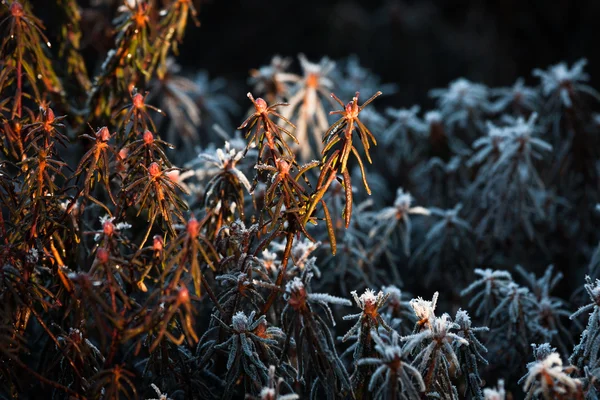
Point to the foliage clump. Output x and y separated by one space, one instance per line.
148 249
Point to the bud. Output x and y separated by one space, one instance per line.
261 105
283 166
158 243
16 9
108 228
183 296
49 115
193 227
148 137
138 100
297 294
261 330
349 108
154 170
103 134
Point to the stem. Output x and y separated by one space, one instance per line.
393 385
211 295
429 377
115 336
284 263
19 73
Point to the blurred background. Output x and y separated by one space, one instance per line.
418 45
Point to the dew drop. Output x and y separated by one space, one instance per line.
39 76
49 44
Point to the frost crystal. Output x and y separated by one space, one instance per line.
548 377
461 101
562 81
425 309
106 222
222 160
161 396
497 393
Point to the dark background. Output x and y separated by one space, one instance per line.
419 45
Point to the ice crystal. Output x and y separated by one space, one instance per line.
563 82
